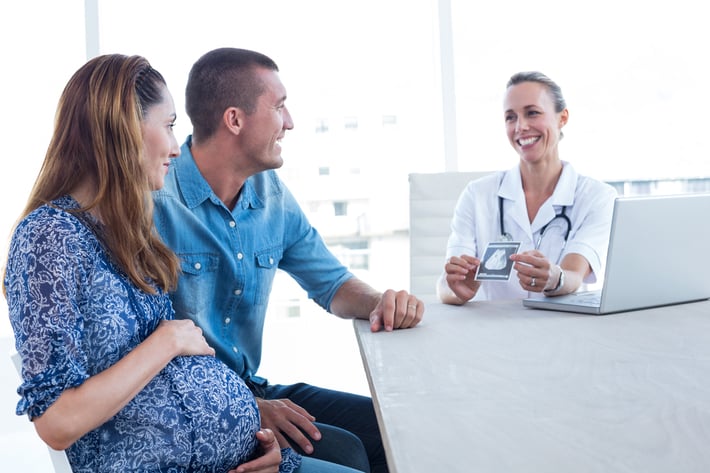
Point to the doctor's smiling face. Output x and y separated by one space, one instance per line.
533 121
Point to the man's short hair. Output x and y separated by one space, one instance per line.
220 79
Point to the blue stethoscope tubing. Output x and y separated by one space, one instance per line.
562 215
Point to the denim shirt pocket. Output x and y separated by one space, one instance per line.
197 284
267 262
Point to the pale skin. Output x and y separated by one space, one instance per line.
533 128
80 410
243 145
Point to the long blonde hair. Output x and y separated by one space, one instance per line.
97 138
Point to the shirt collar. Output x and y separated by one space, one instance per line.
194 187
566 187
511 186
249 197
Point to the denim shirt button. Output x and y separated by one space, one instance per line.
237 292
198 266
232 224
240 256
227 320
235 349
271 260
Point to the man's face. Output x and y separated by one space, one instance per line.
264 129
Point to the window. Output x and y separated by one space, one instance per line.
351 123
353 253
43 47
635 89
389 120
633 74
340 208
634 85
322 126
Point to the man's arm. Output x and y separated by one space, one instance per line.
354 298
390 309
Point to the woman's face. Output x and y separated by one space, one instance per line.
159 143
532 125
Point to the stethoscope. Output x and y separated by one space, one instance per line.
505 236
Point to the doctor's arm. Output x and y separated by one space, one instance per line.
537 274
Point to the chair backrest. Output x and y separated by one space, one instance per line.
432 198
59 458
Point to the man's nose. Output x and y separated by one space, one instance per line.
288 121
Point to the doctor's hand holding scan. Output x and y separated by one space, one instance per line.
560 218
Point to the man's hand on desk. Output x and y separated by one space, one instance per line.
396 310
389 310
285 418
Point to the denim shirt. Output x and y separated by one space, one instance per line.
229 257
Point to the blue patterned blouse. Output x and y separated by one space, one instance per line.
75 314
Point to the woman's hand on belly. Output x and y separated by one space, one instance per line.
270 455
185 337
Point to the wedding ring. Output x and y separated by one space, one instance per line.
532 282
412 306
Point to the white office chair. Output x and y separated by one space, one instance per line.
59 458
432 198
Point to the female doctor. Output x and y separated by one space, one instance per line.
560 218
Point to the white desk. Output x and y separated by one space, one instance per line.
495 387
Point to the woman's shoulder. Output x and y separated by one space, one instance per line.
486 184
46 216
587 185
487 179
51 225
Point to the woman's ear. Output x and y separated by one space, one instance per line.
564 116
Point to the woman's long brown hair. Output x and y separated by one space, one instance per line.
97 138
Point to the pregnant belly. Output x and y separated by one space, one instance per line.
196 415
221 410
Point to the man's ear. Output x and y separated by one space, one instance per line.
233 119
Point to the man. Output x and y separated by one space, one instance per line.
232 222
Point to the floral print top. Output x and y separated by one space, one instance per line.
74 314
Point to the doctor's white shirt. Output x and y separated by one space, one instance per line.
588 203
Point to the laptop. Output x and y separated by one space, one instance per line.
658 255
